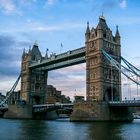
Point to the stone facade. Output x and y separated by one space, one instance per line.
53 96
33 82
103 82
100 111
18 112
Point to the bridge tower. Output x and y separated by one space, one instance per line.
33 82
102 80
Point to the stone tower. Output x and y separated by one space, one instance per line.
33 82
102 80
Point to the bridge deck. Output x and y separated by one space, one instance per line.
50 107
133 103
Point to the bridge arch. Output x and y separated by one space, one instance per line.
111 94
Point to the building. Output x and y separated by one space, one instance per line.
2 97
103 82
54 96
14 98
78 99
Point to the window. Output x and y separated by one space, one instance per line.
104 35
92 45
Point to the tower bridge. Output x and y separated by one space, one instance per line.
102 54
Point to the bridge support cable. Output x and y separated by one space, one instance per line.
132 67
111 84
10 93
121 68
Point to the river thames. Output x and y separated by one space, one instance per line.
62 129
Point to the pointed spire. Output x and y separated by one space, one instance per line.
46 55
99 26
117 32
36 44
87 30
29 49
102 17
23 52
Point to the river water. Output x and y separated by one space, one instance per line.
62 129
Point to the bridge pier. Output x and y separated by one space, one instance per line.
25 112
99 111
121 114
18 112
51 115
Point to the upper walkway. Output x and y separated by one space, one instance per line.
66 59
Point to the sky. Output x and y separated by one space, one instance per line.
51 23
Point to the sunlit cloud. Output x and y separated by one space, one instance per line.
9 7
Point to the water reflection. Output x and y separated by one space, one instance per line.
65 130
32 130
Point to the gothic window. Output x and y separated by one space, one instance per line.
32 87
104 35
92 35
41 88
92 45
94 61
37 77
37 86
94 75
34 58
96 88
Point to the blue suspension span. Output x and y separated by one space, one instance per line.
11 91
131 69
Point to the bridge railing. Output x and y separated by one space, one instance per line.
126 101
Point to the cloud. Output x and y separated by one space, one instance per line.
10 55
109 4
11 50
41 27
51 2
8 7
126 20
122 3
69 79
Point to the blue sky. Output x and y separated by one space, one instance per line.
52 22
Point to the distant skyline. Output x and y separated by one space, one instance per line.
60 25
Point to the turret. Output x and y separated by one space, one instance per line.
35 53
117 35
87 34
99 27
46 55
23 54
